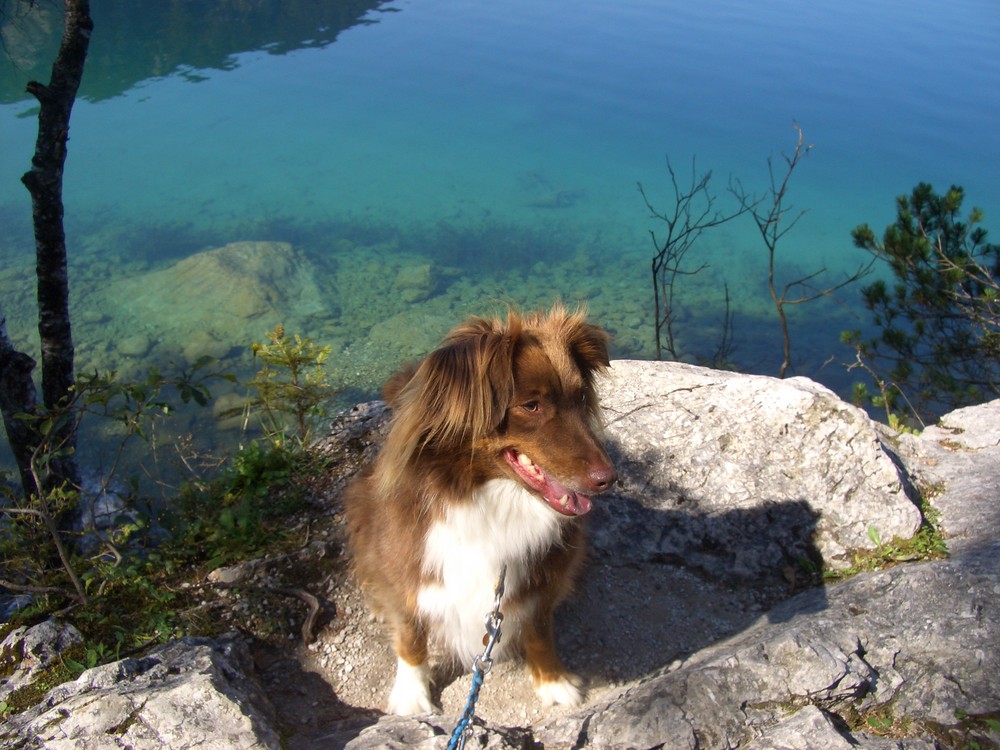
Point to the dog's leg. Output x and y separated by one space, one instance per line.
411 692
553 684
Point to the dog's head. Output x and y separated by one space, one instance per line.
511 398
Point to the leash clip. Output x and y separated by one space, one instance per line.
481 665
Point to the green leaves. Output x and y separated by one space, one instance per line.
245 509
94 655
938 317
128 596
292 387
875 537
135 404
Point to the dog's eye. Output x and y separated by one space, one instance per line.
531 406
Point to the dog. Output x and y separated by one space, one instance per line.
491 459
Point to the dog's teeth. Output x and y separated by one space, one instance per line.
529 466
564 501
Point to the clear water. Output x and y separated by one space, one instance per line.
491 149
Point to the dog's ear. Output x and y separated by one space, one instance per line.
587 343
462 390
395 384
590 347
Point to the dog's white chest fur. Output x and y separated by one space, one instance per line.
465 551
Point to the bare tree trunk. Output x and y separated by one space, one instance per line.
17 396
44 181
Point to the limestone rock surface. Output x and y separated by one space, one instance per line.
190 693
687 626
742 474
26 652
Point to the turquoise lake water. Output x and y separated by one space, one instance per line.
428 159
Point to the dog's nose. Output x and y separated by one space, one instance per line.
602 477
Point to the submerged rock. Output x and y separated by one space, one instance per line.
204 344
220 298
135 345
411 333
415 282
102 512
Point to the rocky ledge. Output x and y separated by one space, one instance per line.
703 622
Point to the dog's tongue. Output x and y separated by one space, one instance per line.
561 499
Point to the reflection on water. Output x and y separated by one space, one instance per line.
368 173
135 42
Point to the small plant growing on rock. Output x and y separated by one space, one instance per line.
243 510
291 386
927 544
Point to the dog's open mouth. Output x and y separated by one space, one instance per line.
562 499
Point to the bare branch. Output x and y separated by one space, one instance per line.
693 212
775 219
24 589
862 271
723 352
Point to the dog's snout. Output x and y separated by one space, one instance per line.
602 477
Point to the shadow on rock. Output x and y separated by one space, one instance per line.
663 584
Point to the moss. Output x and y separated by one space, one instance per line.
6 628
10 660
929 491
880 720
52 676
970 732
123 726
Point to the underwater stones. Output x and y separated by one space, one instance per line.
204 344
411 333
92 317
103 510
415 283
242 279
228 294
134 346
212 304
228 410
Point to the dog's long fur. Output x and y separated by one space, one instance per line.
491 459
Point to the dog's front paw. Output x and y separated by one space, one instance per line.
411 692
566 690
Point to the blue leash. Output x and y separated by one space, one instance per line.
464 727
481 667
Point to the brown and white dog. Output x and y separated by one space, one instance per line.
491 459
